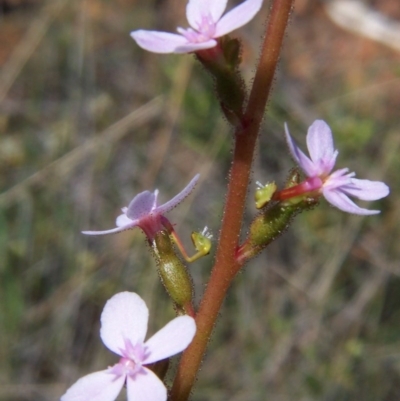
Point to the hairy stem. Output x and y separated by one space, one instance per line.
226 266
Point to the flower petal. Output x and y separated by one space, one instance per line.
141 205
112 231
320 146
124 317
193 47
343 202
98 386
366 189
122 220
178 198
302 160
196 10
237 17
158 42
171 339
145 386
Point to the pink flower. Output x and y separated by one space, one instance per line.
123 329
336 187
143 212
207 24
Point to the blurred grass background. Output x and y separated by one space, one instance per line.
87 120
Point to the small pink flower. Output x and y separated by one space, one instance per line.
123 330
336 187
207 24
143 212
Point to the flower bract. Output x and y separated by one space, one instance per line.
144 212
206 25
123 330
335 186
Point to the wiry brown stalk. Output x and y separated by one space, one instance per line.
226 266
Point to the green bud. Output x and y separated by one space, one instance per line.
172 271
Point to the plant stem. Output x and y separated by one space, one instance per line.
226 266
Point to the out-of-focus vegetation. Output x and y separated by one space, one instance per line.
87 120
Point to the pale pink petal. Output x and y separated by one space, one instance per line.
155 193
124 317
237 17
196 10
141 205
145 386
302 160
343 202
194 47
112 231
339 178
158 42
98 386
123 220
320 146
171 339
366 189
178 198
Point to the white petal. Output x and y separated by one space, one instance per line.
197 9
178 198
320 145
123 220
343 202
141 205
366 189
124 317
194 47
158 42
98 386
171 339
237 17
146 386
112 231
302 160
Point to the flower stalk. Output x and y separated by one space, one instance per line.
226 266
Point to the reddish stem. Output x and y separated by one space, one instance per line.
310 186
226 266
